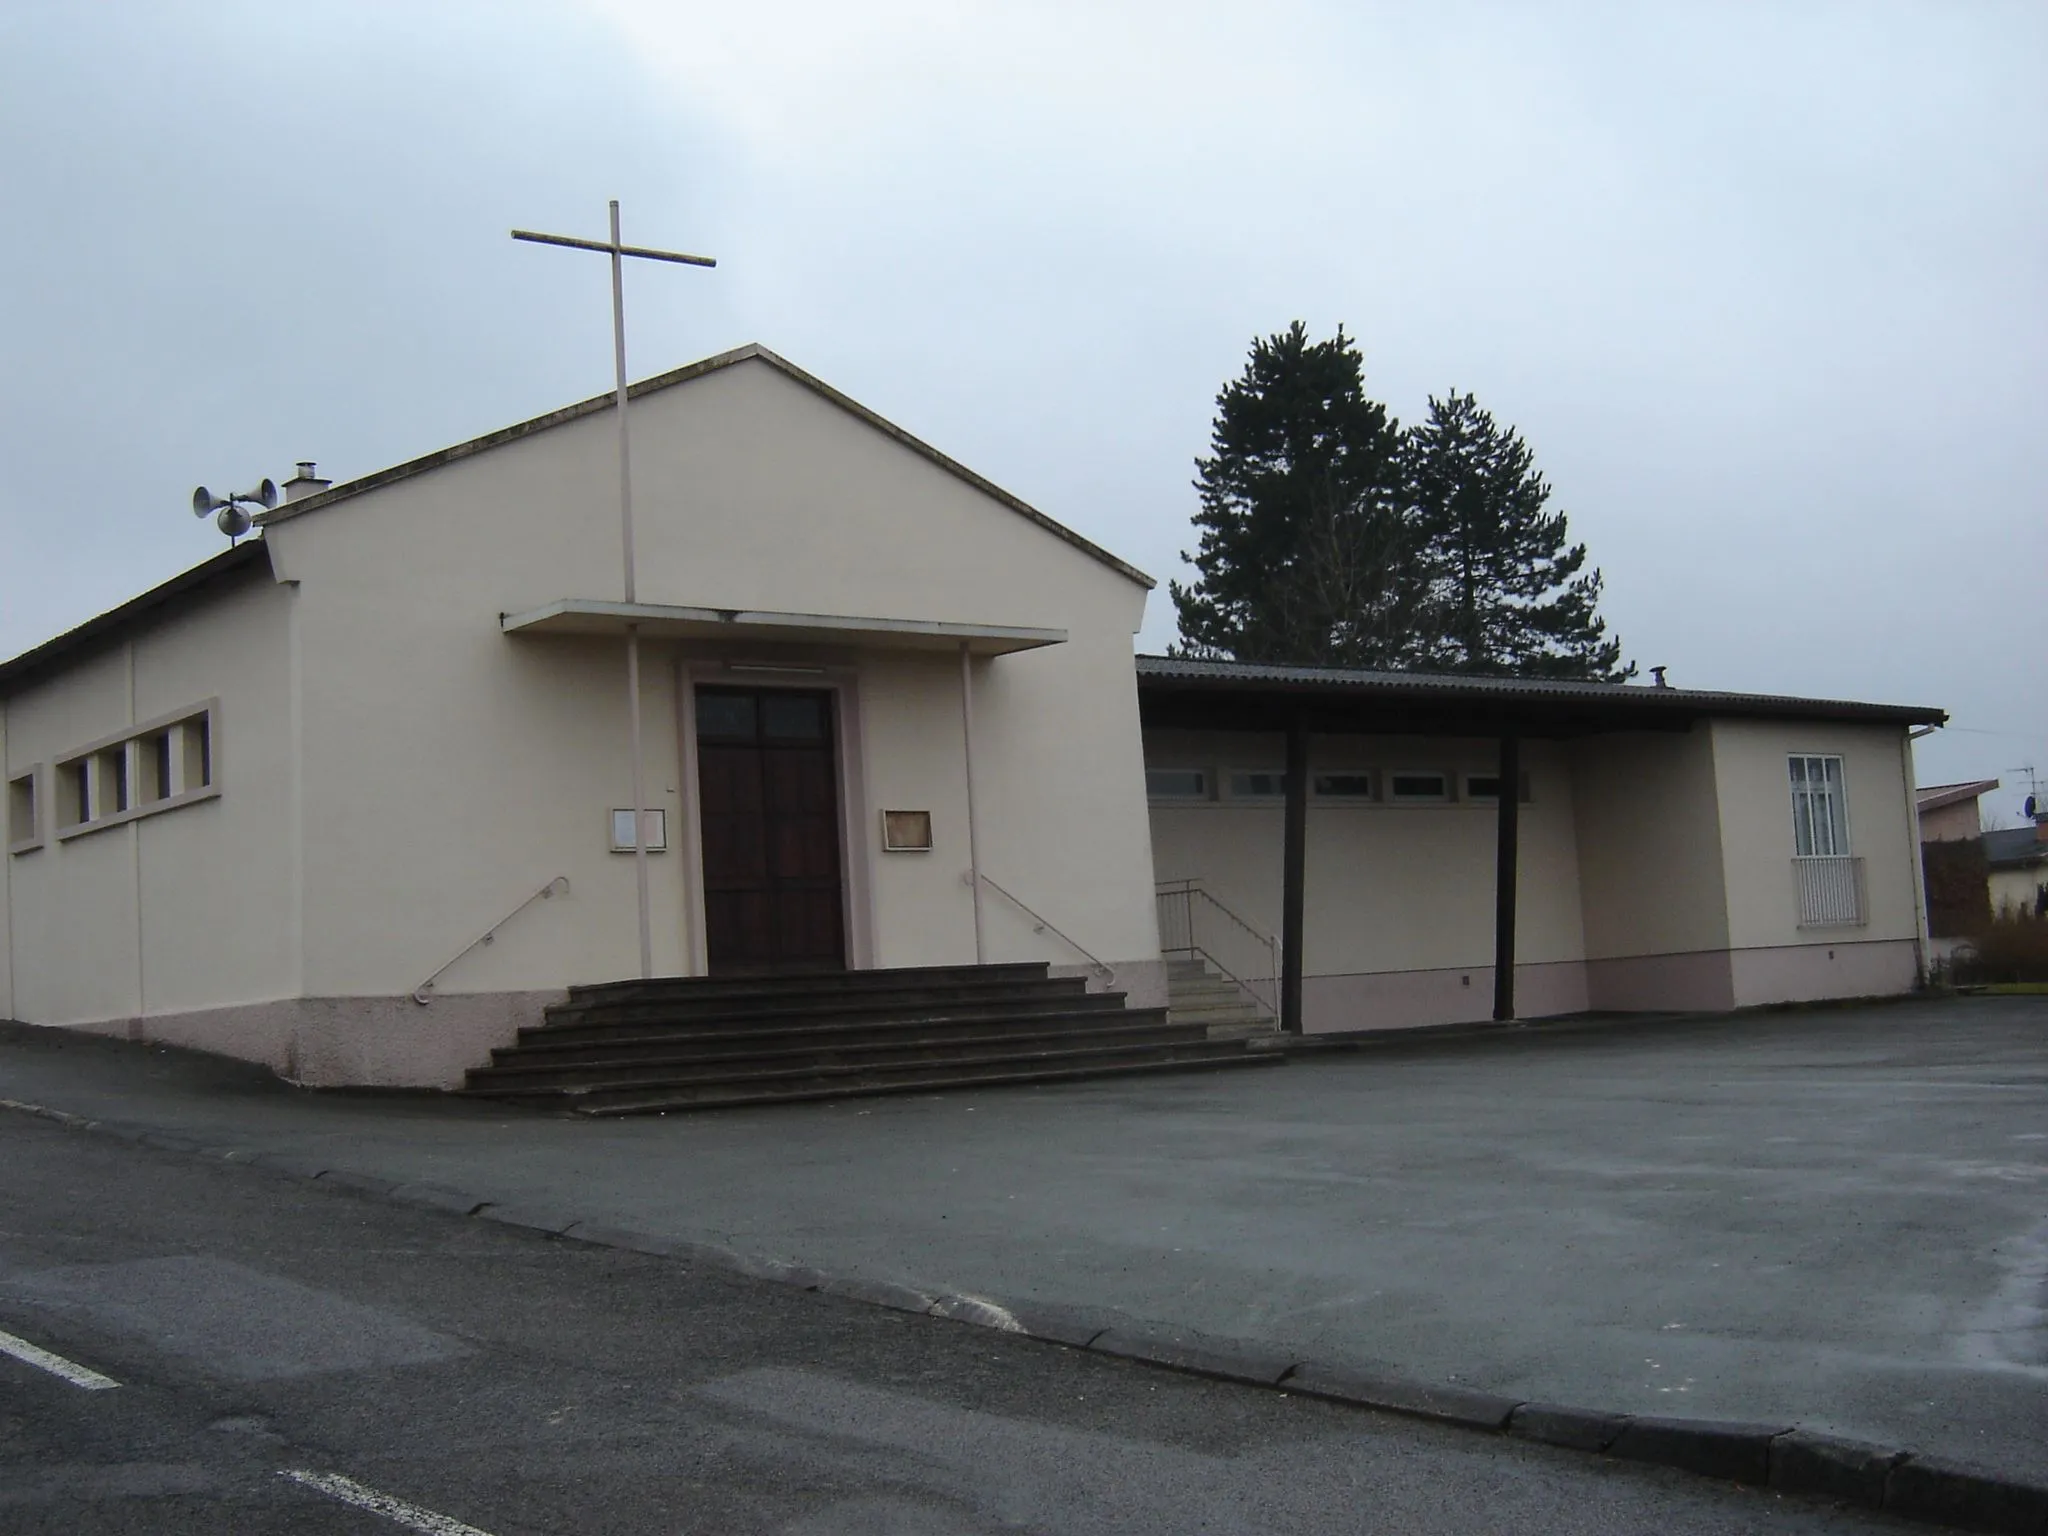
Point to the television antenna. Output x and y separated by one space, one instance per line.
233 517
2034 807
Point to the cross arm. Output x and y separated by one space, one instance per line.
608 248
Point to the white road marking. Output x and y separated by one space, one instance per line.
411 1516
56 1365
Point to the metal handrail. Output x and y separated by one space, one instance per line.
1249 988
489 935
1186 891
1196 888
1046 924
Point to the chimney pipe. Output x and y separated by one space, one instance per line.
305 483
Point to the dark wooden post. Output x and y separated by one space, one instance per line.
1507 841
1294 876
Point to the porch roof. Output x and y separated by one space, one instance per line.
1176 692
663 621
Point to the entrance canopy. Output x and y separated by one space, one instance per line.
662 621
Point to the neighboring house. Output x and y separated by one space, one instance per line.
2017 859
1952 856
1949 812
893 720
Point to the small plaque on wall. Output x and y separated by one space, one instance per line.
653 828
907 831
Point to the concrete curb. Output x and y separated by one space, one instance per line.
1791 1460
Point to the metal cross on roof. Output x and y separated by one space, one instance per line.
618 252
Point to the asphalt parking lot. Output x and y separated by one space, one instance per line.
1836 1217
272 1356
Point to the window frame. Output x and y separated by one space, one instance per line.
1835 794
36 782
1374 795
653 829
1228 793
1207 795
1444 776
193 753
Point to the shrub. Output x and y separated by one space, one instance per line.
2012 947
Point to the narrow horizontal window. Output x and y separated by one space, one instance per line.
159 765
1177 783
1257 784
1347 784
1412 788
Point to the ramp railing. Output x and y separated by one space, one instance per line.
1194 925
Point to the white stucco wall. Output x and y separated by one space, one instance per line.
1776 960
1392 890
457 768
185 908
2016 889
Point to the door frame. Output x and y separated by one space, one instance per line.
840 679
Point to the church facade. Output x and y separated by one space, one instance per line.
354 797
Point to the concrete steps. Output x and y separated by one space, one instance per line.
1197 995
683 1043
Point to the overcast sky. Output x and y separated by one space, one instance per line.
1764 286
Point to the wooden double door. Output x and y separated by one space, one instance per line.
768 790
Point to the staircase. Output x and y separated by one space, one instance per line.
1197 995
683 1043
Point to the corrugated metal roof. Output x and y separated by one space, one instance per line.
1460 687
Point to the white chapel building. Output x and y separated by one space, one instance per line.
353 797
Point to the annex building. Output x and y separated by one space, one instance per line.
354 798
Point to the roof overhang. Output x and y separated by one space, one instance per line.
1179 693
1936 797
199 584
662 621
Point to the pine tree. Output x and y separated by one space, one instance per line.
1505 593
1305 553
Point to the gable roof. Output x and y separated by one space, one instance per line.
180 591
752 352
1935 797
